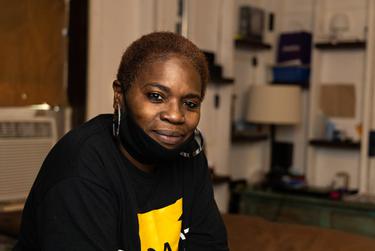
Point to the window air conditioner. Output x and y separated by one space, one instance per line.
24 143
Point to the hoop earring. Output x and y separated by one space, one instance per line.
199 140
116 121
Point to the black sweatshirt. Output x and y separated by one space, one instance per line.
88 196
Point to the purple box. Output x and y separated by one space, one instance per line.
294 46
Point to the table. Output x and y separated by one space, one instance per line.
10 217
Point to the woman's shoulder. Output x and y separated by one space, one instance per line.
98 127
85 144
93 132
80 153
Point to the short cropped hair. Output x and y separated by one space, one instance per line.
156 46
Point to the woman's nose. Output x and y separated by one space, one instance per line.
173 113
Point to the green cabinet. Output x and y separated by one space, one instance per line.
285 208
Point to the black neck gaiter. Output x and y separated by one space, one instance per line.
143 148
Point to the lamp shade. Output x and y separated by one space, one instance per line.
274 104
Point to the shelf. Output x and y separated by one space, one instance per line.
218 179
221 81
245 44
348 145
344 45
243 137
216 71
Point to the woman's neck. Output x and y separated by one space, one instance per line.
143 167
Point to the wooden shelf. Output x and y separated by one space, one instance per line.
218 179
221 81
216 71
243 137
344 45
245 44
348 145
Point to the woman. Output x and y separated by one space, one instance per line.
138 179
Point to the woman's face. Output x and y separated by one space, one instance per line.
165 100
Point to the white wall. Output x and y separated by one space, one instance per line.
211 29
296 15
250 160
113 25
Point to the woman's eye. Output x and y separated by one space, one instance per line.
192 105
155 97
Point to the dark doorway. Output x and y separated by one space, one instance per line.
77 59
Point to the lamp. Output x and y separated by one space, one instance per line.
274 105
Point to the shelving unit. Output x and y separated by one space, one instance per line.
346 61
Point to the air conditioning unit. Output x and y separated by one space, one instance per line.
24 143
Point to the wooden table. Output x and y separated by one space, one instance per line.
10 217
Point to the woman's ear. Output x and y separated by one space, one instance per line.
118 98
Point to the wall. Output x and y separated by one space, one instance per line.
251 160
296 15
113 25
211 26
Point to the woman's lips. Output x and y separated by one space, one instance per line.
169 137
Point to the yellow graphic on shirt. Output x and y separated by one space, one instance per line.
159 230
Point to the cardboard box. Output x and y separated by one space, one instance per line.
338 100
